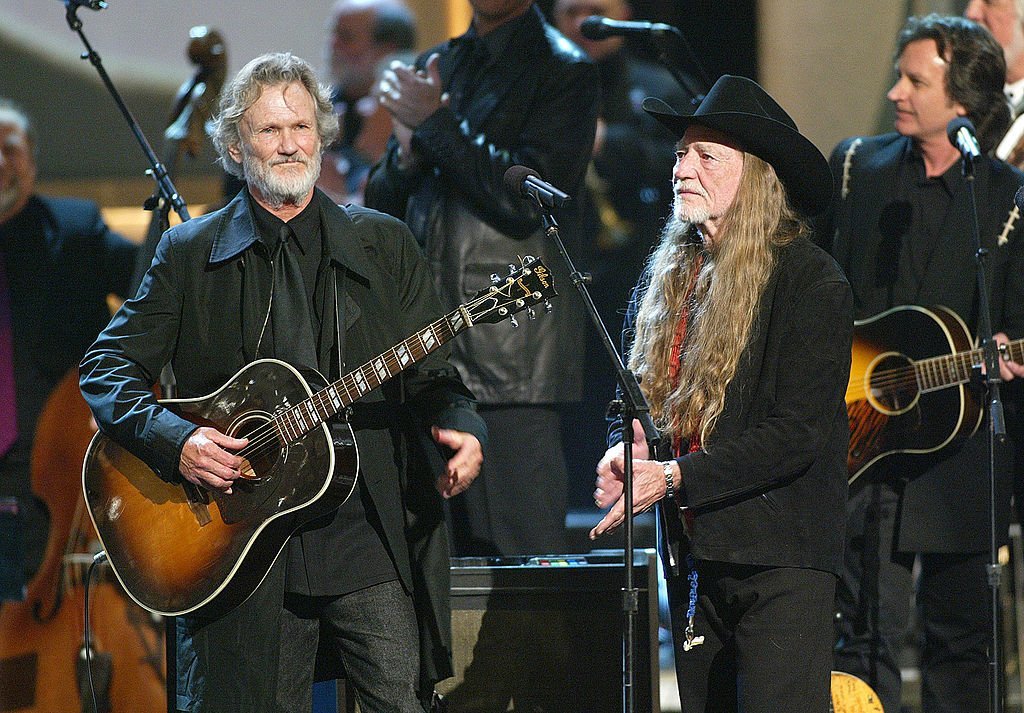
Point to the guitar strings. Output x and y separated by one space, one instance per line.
887 379
272 436
265 440
906 376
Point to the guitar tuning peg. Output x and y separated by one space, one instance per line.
529 260
495 280
547 307
531 313
514 322
511 268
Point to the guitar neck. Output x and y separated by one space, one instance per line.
942 371
318 408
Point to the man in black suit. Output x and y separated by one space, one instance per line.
902 231
511 90
739 332
59 262
283 272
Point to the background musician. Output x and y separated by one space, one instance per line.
363 36
510 90
1005 20
58 263
902 232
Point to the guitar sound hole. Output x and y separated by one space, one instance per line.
893 384
263 450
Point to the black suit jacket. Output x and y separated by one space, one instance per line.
201 307
945 497
62 261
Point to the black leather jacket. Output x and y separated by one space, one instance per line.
534 105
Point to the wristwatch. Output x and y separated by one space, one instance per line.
670 485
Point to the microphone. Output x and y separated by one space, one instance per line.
597 27
961 134
526 182
91 4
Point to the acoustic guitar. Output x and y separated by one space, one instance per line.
909 389
176 548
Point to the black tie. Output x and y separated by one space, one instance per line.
290 313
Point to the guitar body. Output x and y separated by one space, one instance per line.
888 411
852 695
175 554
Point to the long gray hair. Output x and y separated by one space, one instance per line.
268 70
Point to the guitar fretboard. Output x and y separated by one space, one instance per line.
300 419
942 371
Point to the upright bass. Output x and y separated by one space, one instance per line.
42 665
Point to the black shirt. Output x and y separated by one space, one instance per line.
927 201
363 540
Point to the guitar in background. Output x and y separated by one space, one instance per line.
910 387
852 695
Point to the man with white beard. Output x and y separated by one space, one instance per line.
739 332
275 274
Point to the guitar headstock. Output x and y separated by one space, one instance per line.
529 284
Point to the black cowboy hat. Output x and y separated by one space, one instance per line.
741 109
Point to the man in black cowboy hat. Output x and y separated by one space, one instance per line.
902 230
740 330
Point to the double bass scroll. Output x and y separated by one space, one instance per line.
193 105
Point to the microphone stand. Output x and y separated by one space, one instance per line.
166 195
695 89
165 188
996 433
633 406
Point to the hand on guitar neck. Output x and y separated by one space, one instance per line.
1008 369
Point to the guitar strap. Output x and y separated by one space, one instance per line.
341 435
